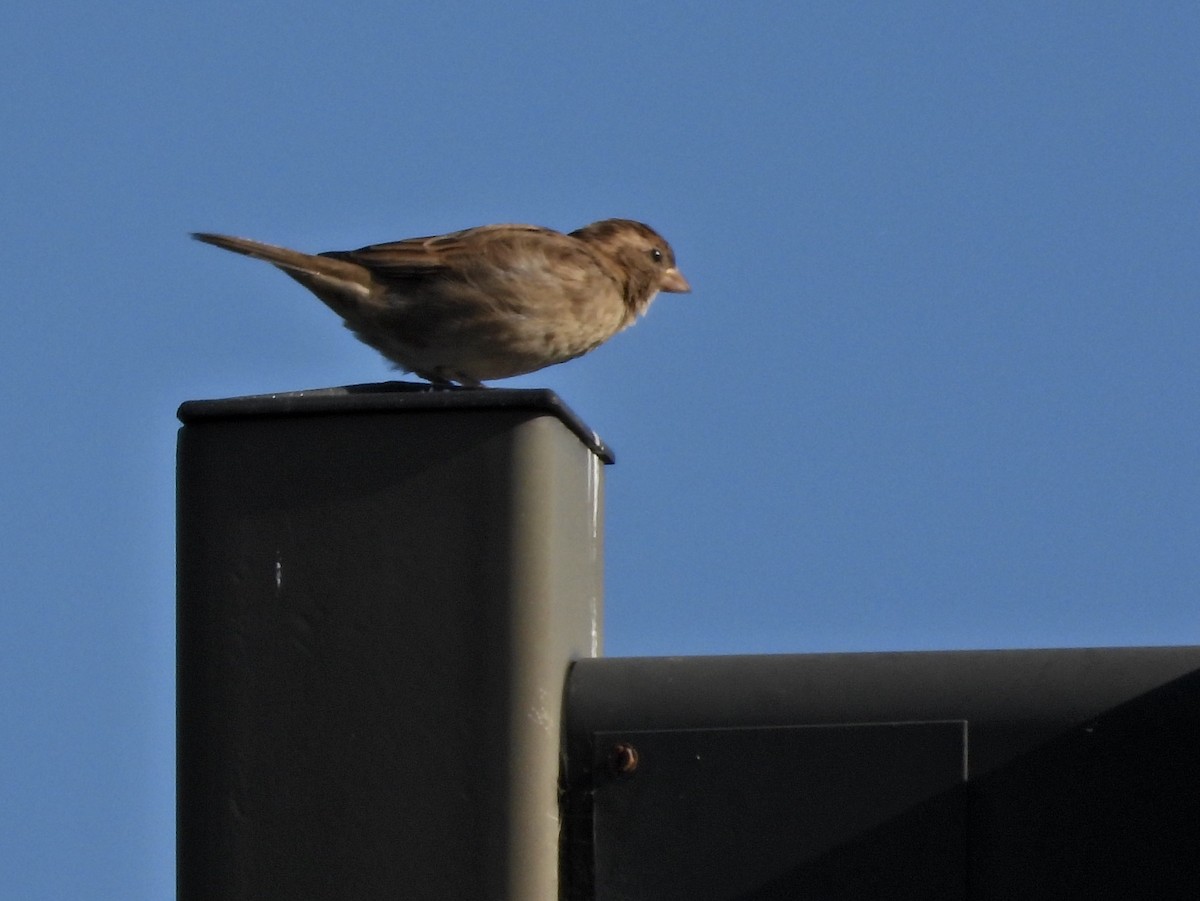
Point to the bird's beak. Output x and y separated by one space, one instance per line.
672 280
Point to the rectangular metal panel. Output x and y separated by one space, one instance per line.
1081 767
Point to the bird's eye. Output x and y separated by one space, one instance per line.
656 255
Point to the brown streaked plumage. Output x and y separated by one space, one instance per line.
488 302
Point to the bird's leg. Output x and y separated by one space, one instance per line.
442 383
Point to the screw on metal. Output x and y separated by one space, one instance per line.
623 758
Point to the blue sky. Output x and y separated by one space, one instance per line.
936 386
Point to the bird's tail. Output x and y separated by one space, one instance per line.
334 281
283 257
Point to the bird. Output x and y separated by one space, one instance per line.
489 302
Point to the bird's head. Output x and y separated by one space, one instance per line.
644 255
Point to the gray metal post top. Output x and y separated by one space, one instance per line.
395 397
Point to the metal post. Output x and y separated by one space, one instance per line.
379 594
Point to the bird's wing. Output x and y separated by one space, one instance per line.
445 256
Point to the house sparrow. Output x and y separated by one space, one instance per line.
487 302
